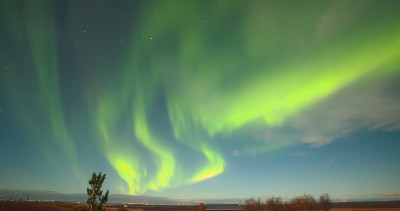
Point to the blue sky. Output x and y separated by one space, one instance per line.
196 100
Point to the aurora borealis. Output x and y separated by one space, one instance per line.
191 99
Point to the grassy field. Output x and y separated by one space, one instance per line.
18 205
365 209
65 206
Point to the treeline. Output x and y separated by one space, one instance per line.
300 203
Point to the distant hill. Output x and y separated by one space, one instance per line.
41 195
367 204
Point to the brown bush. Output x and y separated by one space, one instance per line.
325 202
201 207
301 203
304 203
253 205
274 204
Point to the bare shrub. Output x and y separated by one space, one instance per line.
274 204
201 207
303 203
253 205
325 202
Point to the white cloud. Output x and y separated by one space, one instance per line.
389 194
370 104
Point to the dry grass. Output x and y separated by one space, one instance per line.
119 207
30 205
365 209
26 205
302 203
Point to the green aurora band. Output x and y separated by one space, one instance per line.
45 106
215 67
193 74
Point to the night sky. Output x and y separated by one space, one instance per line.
194 98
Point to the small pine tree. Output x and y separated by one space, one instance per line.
95 193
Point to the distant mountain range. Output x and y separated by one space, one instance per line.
41 195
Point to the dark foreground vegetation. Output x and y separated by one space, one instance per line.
301 203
